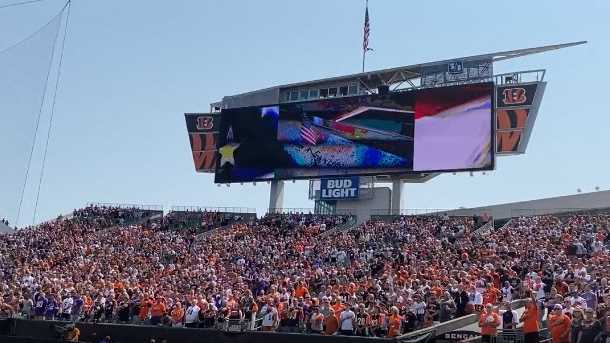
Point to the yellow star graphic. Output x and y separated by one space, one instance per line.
226 153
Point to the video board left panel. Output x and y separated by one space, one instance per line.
203 129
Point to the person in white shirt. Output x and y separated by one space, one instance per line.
270 317
66 307
507 292
347 322
191 316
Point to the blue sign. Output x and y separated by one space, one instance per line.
340 188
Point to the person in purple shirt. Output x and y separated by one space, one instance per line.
77 307
589 297
52 308
40 306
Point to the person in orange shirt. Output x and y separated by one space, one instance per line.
331 323
489 322
177 315
559 325
145 306
337 306
157 311
491 294
394 323
531 321
300 291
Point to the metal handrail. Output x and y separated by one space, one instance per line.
311 211
518 76
213 209
128 206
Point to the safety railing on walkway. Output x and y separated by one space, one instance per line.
213 209
128 206
311 211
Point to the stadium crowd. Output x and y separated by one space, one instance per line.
299 273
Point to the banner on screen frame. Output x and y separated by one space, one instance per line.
340 188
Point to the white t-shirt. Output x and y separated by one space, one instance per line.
66 306
269 317
346 320
192 314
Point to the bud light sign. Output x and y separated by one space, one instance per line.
339 188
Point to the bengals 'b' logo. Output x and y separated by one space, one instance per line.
205 123
514 96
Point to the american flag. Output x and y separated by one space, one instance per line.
367 30
309 134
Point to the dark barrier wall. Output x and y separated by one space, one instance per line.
142 334
5 325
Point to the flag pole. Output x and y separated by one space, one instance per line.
364 48
363 59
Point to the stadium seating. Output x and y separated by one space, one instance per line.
296 272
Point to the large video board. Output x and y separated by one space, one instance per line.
428 130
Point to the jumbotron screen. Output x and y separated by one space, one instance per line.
430 130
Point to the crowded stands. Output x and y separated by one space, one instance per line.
296 273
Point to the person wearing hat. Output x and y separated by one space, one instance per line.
559 325
489 322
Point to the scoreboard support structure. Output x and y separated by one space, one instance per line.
276 195
397 188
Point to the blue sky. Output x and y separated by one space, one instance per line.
132 68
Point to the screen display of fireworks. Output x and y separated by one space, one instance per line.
430 130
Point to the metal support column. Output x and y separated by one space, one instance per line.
397 186
276 195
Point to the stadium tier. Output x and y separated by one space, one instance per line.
306 273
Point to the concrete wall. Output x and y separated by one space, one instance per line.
370 199
562 204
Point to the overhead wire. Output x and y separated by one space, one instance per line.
20 3
42 102
58 77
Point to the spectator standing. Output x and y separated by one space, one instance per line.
559 325
331 324
489 322
590 329
177 315
347 322
531 321
317 321
157 311
509 317
191 316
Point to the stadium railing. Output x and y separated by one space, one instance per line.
559 212
409 212
213 209
334 212
128 206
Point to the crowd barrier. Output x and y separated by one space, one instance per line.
34 331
